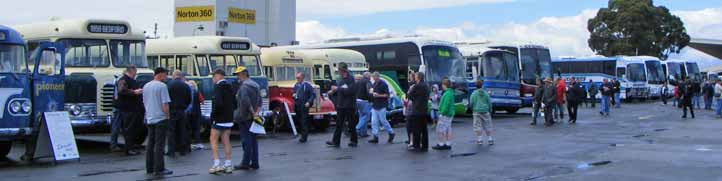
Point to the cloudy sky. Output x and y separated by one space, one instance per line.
560 24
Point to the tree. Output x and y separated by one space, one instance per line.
636 27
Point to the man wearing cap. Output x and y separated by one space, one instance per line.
157 112
180 93
248 107
303 97
549 100
345 93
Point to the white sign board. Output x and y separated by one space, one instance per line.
62 138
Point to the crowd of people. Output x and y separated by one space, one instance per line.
168 111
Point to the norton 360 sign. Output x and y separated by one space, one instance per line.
194 13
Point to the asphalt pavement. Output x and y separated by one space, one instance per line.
640 141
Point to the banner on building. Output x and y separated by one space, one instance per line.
194 13
242 16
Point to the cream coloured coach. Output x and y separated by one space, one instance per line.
97 52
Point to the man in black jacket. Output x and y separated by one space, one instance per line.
130 105
592 93
303 97
345 93
687 91
180 95
222 121
418 95
575 96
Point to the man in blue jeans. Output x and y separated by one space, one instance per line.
249 104
362 102
380 100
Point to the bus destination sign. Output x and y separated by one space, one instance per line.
107 28
235 45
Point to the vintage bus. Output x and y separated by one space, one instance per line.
534 62
396 57
499 70
96 53
677 70
28 88
630 73
281 65
198 56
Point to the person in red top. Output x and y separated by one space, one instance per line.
561 94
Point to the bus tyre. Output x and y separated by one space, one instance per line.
512 110
5 147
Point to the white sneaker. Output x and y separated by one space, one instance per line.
215 169
228 169
197 146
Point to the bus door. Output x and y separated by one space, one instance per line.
48 78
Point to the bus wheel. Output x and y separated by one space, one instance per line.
512 110
5 147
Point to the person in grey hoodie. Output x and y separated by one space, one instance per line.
249 105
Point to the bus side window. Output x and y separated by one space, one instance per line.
153 62
621 72
269 72
327 72
281 73
167 62
184 63
231 63
202 63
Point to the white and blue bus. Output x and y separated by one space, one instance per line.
630 73
678 70
500 72
655 75
535 62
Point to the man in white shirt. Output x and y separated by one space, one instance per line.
156 100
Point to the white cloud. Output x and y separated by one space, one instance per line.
566 36
320 8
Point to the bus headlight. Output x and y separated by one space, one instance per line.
74 110
15 107
27 106
264 93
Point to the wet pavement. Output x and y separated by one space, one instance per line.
640 141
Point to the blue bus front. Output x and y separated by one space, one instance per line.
15 103
500 73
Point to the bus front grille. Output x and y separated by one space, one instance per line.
106 98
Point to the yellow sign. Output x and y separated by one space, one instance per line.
243 16
194 13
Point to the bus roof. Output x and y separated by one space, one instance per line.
348 42
516 45
202 45
276 55
472 50
60 29
638 58
584 59
10 36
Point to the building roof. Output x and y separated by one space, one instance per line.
709 46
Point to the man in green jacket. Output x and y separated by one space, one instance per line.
447 111
481 105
